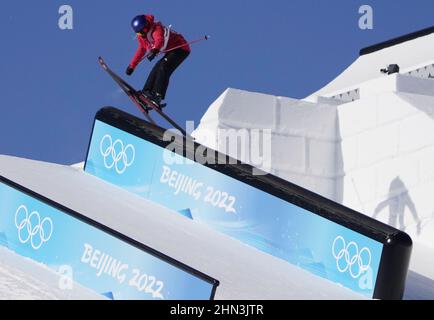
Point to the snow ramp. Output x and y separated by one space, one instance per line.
40 207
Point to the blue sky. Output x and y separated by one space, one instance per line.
51 85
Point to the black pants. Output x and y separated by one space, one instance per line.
158 79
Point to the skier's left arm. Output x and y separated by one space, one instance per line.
140 53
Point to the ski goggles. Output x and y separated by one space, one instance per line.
142 33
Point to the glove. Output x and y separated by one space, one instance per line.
129 71
153 54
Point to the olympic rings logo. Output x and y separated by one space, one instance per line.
349 258
31 228
116 154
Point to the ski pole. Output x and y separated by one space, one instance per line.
186 44
182 45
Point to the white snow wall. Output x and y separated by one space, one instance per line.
387 150
304 136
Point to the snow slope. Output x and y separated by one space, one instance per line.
243 271
410 56
24 279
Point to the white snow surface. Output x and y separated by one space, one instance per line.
243 271
24 279
409 55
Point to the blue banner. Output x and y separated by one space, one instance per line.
96 259
235 208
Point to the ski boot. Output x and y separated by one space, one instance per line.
142 103
156 98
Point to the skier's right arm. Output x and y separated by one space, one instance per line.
140 53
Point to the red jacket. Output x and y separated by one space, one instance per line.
158 37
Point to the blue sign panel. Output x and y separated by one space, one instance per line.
96 259
235 208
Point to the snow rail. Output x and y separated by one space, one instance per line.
263 211
91 254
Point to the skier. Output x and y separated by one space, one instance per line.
155 38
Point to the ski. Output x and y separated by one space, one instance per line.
155 106
129 90
140 100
